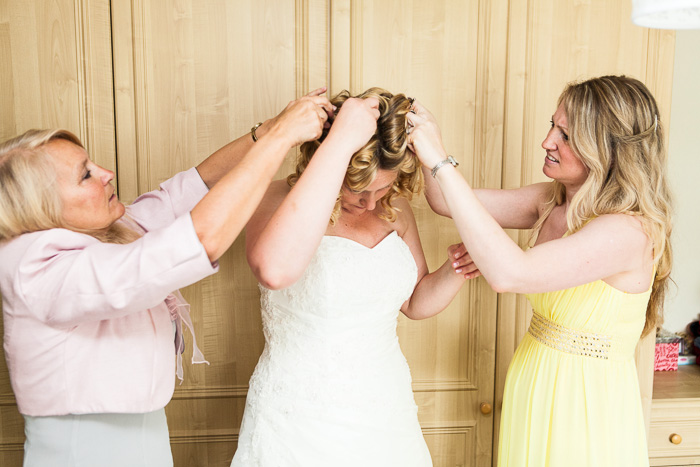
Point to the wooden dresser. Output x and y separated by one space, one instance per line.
674 434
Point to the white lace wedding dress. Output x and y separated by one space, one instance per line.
332 387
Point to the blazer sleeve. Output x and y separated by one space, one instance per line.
67 278
175 197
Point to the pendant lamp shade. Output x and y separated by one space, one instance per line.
666 14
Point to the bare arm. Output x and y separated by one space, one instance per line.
433 291
214 167
284 234
221 215
606 247
513 209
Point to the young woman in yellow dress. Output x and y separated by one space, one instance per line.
595 277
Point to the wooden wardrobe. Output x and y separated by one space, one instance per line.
153 87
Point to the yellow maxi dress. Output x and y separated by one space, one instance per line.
572 394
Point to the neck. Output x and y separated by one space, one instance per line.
570 191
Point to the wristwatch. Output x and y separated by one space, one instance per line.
449 160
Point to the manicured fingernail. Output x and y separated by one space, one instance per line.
458 271
454 265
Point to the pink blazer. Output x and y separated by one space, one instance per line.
87 329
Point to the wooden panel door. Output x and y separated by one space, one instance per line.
55 72
551 43
450 55
191 76
194 75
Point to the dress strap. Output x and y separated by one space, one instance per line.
180 313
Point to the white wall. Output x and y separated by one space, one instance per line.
683 301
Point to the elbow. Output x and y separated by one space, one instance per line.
273 281
412 316
501 283
499 287
211 246
419 316
271 276
438 207
512 274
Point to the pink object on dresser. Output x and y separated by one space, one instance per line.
666 356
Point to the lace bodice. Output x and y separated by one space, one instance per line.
332 386
337 324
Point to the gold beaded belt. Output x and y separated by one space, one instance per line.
572 341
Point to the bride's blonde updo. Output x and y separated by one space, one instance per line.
386 150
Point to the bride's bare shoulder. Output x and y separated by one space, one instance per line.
404 215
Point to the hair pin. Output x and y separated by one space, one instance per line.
411 100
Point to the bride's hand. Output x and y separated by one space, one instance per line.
424 137
355 123
461 262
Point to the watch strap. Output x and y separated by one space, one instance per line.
449 160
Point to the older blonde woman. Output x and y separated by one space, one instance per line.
595 276
91 321
332 386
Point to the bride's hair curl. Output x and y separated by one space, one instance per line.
387 149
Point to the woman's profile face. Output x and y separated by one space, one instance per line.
358 203
88 199
560 162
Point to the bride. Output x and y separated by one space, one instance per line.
332 386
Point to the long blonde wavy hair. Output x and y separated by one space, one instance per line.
29 195
386 150
614 129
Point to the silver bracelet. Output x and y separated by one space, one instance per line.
449 160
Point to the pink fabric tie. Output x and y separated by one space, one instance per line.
180 312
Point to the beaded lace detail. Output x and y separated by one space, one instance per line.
573 341
331 350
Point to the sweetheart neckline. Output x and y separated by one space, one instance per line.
362 245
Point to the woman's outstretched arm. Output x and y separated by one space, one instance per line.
221 215
516 208
607 246
214 167
283 235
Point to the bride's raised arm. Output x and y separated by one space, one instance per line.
287 228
